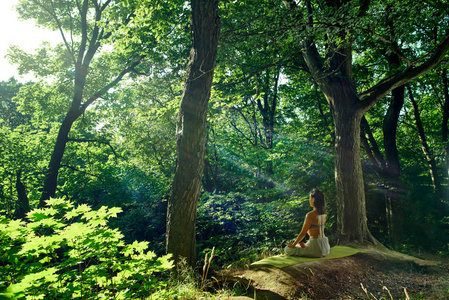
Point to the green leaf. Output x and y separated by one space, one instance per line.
81 209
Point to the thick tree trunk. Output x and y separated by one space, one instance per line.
191 132
347 110
351 207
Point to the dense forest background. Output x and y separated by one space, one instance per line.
269 134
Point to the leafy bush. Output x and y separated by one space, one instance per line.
68 252
243 229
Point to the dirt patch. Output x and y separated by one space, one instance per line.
375 273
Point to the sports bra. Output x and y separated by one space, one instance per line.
319 219
316 225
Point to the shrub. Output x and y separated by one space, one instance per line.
68 252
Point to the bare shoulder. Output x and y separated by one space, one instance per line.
310 214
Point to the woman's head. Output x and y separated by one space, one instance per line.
319 203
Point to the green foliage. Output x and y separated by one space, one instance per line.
158 30
22 149
8 108
45 103
65 251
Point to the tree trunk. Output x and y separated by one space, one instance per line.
268 111
425 147
372 149
390 125
347 109
444 123
392 170
191 132
351 210
351 207
51 178
23 205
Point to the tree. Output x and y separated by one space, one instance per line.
389 167
191 131
79 23
250 108
445 119
330 64
425 146
23 156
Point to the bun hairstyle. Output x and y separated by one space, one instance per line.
319 203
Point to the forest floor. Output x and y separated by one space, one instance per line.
374 274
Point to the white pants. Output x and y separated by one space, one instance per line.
315 248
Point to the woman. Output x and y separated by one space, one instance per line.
318 244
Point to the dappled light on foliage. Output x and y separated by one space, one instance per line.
65 251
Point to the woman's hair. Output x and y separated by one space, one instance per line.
319 203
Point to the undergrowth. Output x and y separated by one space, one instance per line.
65 251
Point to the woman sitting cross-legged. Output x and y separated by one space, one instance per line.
318 244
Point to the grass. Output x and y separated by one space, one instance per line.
188 284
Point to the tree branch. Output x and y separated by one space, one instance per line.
106 88
254 73
372 95
82 49
94 141
55 17
241 132
309 51
78 170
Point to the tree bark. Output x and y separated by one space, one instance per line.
392 170
191 132
351 207
51 177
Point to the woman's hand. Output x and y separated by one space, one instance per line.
290 245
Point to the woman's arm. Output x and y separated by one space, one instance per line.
302 234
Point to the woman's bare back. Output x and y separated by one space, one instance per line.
316 230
